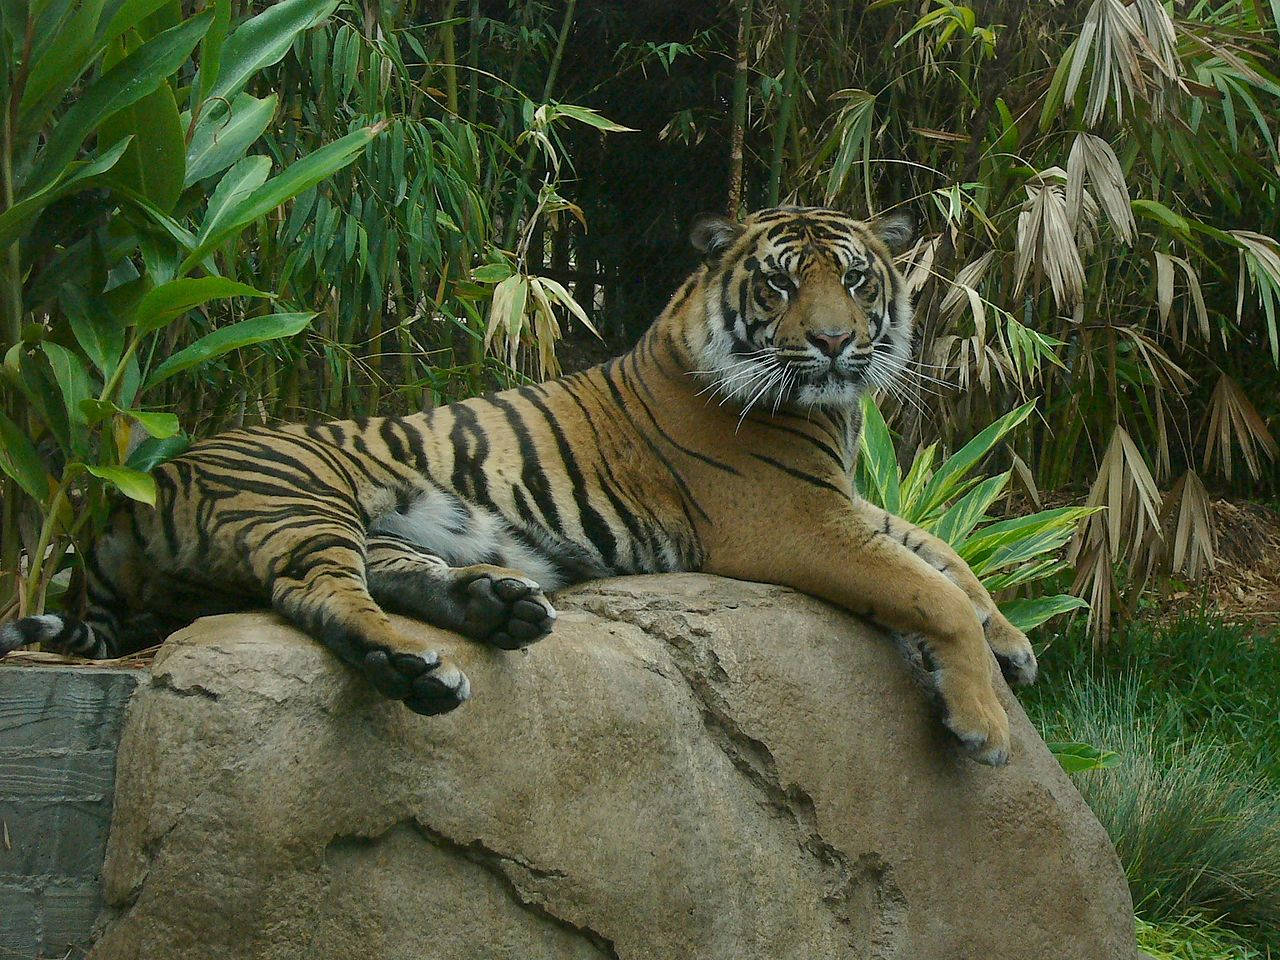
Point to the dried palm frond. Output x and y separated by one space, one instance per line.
1260 262
1161 50
1122 41
1164 297
1047 238
1093 156
1131 518
1111 37
963 289
1194 538
1232 421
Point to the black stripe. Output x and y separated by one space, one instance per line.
468 468
532 474
594 525
687 497
800 474
665 436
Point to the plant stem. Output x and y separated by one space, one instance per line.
473 62
738 119
12 281
33 592
790 36
522 187
450 67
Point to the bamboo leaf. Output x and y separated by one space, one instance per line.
264 40
242 334
171 300
223 134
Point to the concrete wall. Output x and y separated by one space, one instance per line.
59 727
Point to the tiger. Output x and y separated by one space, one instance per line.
723 442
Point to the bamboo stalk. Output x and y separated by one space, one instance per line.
790 37
473 62
522 186
738 119
450 66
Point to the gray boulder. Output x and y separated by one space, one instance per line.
687 767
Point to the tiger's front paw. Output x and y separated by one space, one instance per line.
426 683
1012 649
976 717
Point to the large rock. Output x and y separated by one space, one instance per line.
687 768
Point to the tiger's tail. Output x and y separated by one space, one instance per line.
97 635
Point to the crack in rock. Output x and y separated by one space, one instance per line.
512 872
867 882
165 682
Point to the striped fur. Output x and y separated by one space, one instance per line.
724 441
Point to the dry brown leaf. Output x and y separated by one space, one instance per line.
1233 421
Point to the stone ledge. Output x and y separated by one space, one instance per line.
59 731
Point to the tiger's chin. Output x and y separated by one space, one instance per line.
831 392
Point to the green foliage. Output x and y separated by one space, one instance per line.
1100 235
952 502
93 312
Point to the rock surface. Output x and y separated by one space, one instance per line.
686 768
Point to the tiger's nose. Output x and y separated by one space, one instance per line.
830 343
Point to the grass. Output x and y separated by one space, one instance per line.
1194 939
1193 806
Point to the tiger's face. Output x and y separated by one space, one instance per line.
804 307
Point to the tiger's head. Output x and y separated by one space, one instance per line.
803 307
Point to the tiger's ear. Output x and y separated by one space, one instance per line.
713 235
896 230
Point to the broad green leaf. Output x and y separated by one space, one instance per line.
302 174
1027 614
60 56
32 375
17 219
211 49
1078 757
263 41
220 139
878 460
234 187
73 379
155 164
162 426
242 334
100 335
963 515
956 467
126 83
171 300
491 273
18 458
134 484
152 452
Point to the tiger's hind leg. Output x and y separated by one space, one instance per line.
317 578
491 604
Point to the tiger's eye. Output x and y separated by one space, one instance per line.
854 278
781 282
